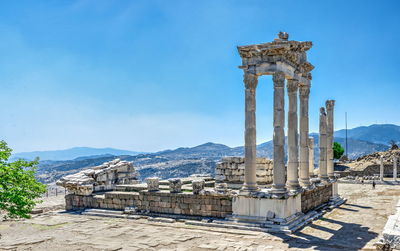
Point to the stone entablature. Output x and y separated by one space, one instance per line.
231 171
279 55
100 178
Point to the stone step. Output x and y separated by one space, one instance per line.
103 211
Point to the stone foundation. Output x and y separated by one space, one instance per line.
311 199
206 205
231 171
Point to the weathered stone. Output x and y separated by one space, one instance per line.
152 184
98 178
175 185
198 186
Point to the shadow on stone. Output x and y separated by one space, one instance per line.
349 236
354 205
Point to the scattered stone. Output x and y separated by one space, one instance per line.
100 178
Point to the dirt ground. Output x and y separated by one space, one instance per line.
354 226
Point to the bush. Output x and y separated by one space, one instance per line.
19 189
337 150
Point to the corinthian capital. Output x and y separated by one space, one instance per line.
250 80
330 104
304 90
279 79
292 85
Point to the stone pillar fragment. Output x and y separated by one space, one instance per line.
330 129
323 175
293 143
197 186
304 150
250 180
381 170
175 185
311 156
152 184
278 186
395 168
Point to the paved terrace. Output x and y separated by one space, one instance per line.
355 225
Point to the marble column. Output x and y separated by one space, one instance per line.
311 156
381 169
323 175
250 181
293 142
278 186
330 128
304 152
395 168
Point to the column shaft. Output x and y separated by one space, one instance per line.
293 142
323 175
311 156
395 168
330 128
250 181
381 170
278 186
304 152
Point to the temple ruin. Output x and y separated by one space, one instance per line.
256 193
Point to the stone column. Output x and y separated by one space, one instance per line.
293 142
304 153
381 169
311 156
278 186
250 181
395 168
323 175
330 128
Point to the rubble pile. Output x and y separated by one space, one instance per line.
100 178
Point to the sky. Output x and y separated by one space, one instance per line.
153 75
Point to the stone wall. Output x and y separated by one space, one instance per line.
209 205
231 171
371 170
311 199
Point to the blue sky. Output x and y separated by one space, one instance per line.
150 75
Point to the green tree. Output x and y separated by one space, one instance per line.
338 150
19 189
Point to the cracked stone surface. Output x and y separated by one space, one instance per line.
354 226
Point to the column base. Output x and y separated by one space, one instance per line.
249 188
278 190
293 186
305 183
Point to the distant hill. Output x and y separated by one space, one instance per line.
379 134
72 153
183 161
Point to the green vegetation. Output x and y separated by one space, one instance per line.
338 150
19 189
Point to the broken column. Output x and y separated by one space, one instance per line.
175 185
381 169
278 187
293 144
322 145
152 184
250 179
395 168
330 129
197 186
311 156
304 151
